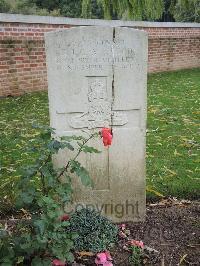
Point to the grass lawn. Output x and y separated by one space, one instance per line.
173 139
173 146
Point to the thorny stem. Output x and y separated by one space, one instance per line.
75 157
43 184
78 153
42 176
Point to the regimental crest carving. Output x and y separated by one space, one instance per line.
99 104
100 113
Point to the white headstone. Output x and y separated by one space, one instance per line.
97 78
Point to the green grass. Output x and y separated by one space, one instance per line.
172 139
16 134
173 147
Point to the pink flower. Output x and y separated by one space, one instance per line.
136 243
108 255
104 259
57 262
123 227
64 217
106 134
122 234
101 258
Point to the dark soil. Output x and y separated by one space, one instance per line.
171 228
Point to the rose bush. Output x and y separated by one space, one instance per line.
46 237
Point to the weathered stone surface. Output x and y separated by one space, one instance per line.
97 78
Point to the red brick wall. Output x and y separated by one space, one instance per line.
173 48
22 54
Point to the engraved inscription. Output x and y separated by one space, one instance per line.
75 56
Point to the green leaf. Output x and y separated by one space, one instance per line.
3 233
40 225
43 127
50 181
65 223
69 146
30 171
74 236
70 257
26 197
41 262
88 149
8 263
85 177
54 145
81 172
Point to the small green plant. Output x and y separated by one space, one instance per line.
6 248
135 258
44 192
95 232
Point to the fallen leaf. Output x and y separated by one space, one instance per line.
176 153
157 193
182 259
170 171
85 253
150 250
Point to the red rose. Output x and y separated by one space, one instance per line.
64 217
106 134
57 262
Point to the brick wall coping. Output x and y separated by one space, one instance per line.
32 19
